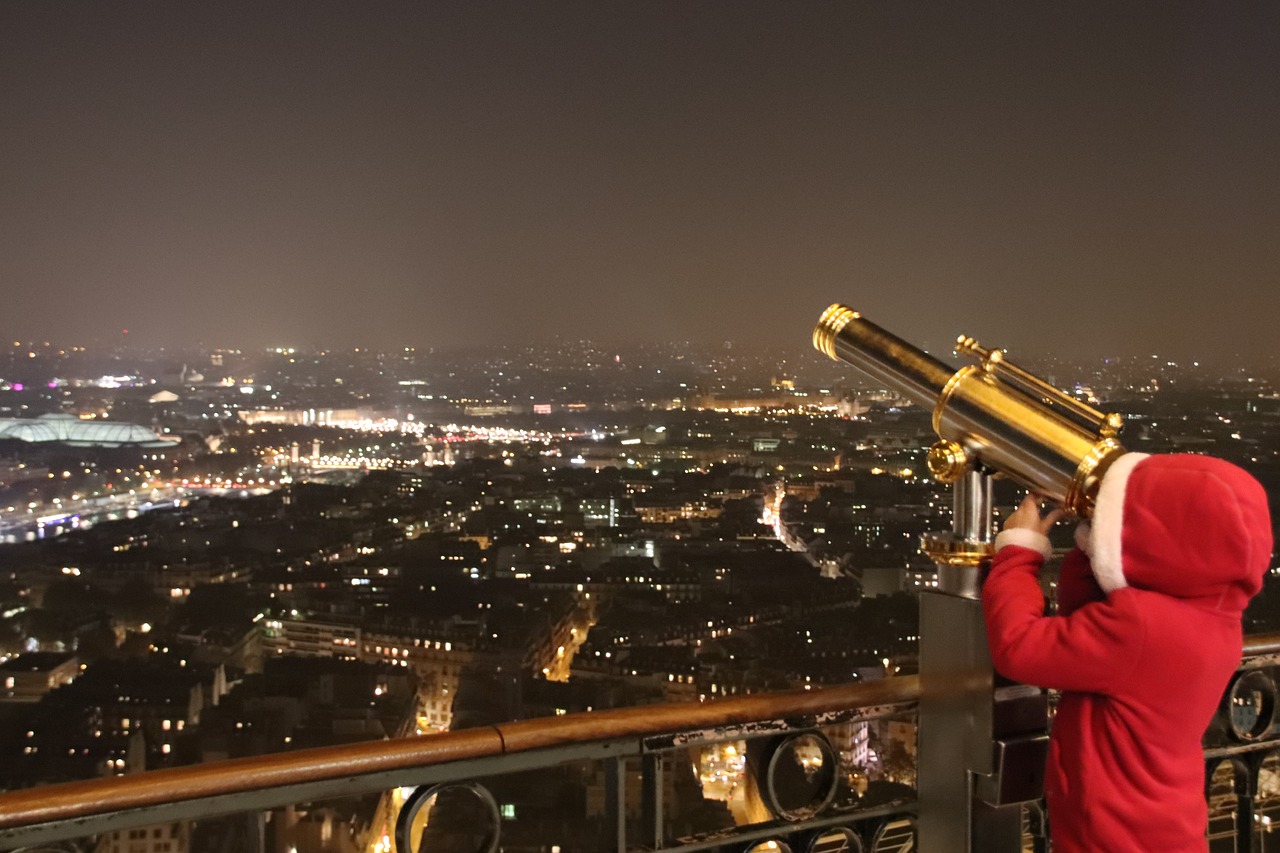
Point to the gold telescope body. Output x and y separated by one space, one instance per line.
990 415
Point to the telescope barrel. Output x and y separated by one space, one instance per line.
992 414
1036 388
845 335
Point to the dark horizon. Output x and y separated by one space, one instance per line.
1080 180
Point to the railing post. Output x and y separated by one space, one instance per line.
651 785
1246 807
615 792
258 830
1244 822
981 748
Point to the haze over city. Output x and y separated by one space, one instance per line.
1061 178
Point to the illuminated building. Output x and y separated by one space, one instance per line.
70 430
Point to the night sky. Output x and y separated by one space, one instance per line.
1058 177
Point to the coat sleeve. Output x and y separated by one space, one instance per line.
1092 650
1076 583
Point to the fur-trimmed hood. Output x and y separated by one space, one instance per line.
1193 527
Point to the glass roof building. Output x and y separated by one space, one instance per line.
70 430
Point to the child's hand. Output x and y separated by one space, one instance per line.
1028 515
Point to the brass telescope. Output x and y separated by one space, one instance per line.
991 416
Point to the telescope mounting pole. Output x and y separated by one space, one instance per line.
971 519
961 552
980 737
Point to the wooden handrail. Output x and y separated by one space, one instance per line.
77 800
1256 645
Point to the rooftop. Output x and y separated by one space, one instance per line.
69 429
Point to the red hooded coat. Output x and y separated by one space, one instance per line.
1147 635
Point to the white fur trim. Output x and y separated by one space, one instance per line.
1024 537
1084 541
1108 523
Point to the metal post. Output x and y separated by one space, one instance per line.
970 730
1246 829
971 506
651 784
615 794
258 829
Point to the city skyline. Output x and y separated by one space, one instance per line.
1074 181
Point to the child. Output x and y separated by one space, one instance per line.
1148 633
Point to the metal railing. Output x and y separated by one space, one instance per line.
794 762
1242 754
772 728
